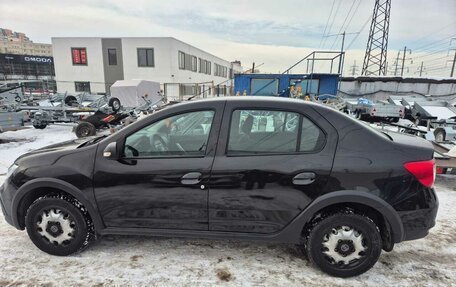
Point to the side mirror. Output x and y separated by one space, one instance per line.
110 151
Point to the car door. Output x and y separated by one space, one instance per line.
271 162
161 179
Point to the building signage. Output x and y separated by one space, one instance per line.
37 59
14 59
79 56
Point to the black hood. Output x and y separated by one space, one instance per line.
65 146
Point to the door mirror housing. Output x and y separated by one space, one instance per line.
110 151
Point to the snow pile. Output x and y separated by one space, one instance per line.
15 143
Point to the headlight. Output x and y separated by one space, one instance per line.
11 169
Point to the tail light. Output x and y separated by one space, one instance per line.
424 171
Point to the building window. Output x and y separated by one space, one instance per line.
303 87
201 61
188 62
220 70
181 60
194 64
79 56
112 57
145 57
208 67
264 87
82 86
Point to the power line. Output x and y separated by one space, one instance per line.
343 23
353 15
333 19
434 42
434 31
327 22
430 54
359 32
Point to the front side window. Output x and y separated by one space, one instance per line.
269 132
181 135
79 56
145 57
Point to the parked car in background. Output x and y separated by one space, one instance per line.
253 168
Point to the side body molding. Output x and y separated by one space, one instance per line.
57 184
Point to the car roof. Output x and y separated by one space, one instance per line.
261 99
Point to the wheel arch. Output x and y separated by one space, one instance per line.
36 188
346 198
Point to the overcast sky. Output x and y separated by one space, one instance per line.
276 33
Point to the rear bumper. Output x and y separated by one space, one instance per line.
417 223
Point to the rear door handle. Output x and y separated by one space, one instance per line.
191 178
304 178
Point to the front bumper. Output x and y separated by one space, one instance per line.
417 223
7 216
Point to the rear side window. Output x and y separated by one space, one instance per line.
312 137
269 132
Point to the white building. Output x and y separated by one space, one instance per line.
94 64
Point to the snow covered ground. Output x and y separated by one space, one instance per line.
116 260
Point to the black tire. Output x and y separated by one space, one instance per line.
371 240
440 135
114 103
85 129
72 212
70 100
40 126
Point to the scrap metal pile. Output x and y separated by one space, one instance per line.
90 112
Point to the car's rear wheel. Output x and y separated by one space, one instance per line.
58 225
344 244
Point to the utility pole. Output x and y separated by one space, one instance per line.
341 62
396 63
342 53
454 61
403 59
421 68
253 68
354 68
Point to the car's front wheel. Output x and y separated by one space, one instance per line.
344 244
58 225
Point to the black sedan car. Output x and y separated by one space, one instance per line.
256 168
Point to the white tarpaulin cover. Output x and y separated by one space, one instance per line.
131 92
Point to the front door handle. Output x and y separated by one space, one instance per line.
191 178
304 178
